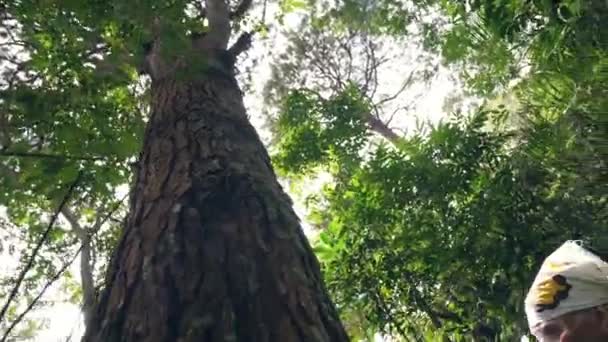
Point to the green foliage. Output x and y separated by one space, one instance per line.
439 235
69 103
492 42
376 17
498 40
436 236
334 130
450 227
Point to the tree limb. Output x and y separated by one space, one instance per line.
241 9
218 16
70 216
378 126
373 121
47 155
407 83
241 45
86 270
39 244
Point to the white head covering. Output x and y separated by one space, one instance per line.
570 279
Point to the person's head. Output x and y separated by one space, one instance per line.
588 325
568 300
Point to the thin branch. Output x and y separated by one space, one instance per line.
387 312
347 49
11 43
40 294
336 65
392 116
375 64
41 241
370 70
319 58
60 272
367 76
115 220
18 63
48 155
426 309
404 86
263 20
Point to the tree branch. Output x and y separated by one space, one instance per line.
41 241
381 304
241 45
47 155
376 125
70 216
218 16
241 9
86 270
60 272
405 85
40 294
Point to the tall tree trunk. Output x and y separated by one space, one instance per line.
212 250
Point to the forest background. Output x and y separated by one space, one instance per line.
437 151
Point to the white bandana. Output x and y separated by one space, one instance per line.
570 279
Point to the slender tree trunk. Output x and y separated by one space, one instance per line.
212 250
86 265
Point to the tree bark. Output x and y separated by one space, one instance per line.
376 125
212 249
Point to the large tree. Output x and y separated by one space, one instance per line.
211 249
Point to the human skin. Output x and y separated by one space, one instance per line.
589 325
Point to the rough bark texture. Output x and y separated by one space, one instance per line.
212 250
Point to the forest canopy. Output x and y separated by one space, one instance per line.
427 225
